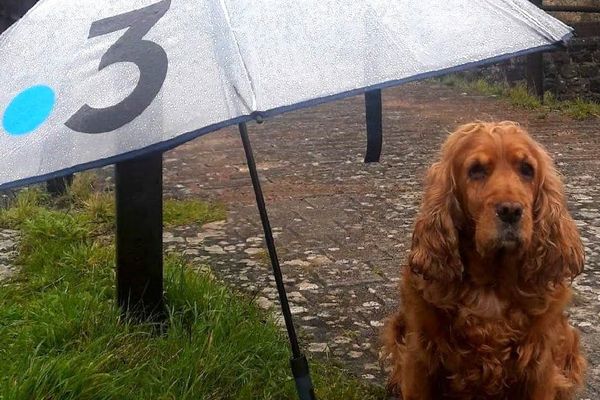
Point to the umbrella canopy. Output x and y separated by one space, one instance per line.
86 86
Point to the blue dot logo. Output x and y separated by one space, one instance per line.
28 110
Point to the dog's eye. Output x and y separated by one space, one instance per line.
477 172
526 170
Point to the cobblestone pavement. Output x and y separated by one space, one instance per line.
8 251
343 227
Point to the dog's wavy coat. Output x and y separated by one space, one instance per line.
483 298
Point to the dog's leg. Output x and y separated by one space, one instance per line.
544 392
571 363
408 377
417 379
557 367
394 349
418 371
545 378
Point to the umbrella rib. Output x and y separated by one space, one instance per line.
253 105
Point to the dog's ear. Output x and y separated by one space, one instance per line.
435 253
557 251
435 263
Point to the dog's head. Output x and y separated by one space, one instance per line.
497 170
495 188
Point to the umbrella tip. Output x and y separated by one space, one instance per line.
258 117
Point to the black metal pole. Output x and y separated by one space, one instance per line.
59 186
535 75
535 69
139 237
374 117
298 362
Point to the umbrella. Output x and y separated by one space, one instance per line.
90 86
84 87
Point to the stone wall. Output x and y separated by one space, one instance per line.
575 73
568 74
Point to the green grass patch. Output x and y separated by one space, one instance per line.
520 97
580 109
98 207
28 202
61 335
485 87
183 212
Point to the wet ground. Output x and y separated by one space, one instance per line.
343 227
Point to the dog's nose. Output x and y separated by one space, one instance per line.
509 212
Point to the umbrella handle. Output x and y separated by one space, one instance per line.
304 384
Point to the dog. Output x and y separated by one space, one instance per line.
483 298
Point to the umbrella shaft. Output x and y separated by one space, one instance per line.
260 201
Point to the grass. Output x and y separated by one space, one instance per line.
99 206
182 212
577 109
62 337
520 97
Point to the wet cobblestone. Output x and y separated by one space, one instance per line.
343 227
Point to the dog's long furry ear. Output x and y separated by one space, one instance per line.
435 254
557 249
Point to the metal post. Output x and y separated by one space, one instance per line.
535 75
59 186
298 362
139 237
535 69
374 125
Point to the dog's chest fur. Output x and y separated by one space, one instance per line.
483 303
481 344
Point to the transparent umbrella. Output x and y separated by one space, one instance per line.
110 81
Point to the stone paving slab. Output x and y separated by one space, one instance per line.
9 240
343 228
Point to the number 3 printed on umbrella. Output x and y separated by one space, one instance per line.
150 58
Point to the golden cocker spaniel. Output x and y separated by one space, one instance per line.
483 298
